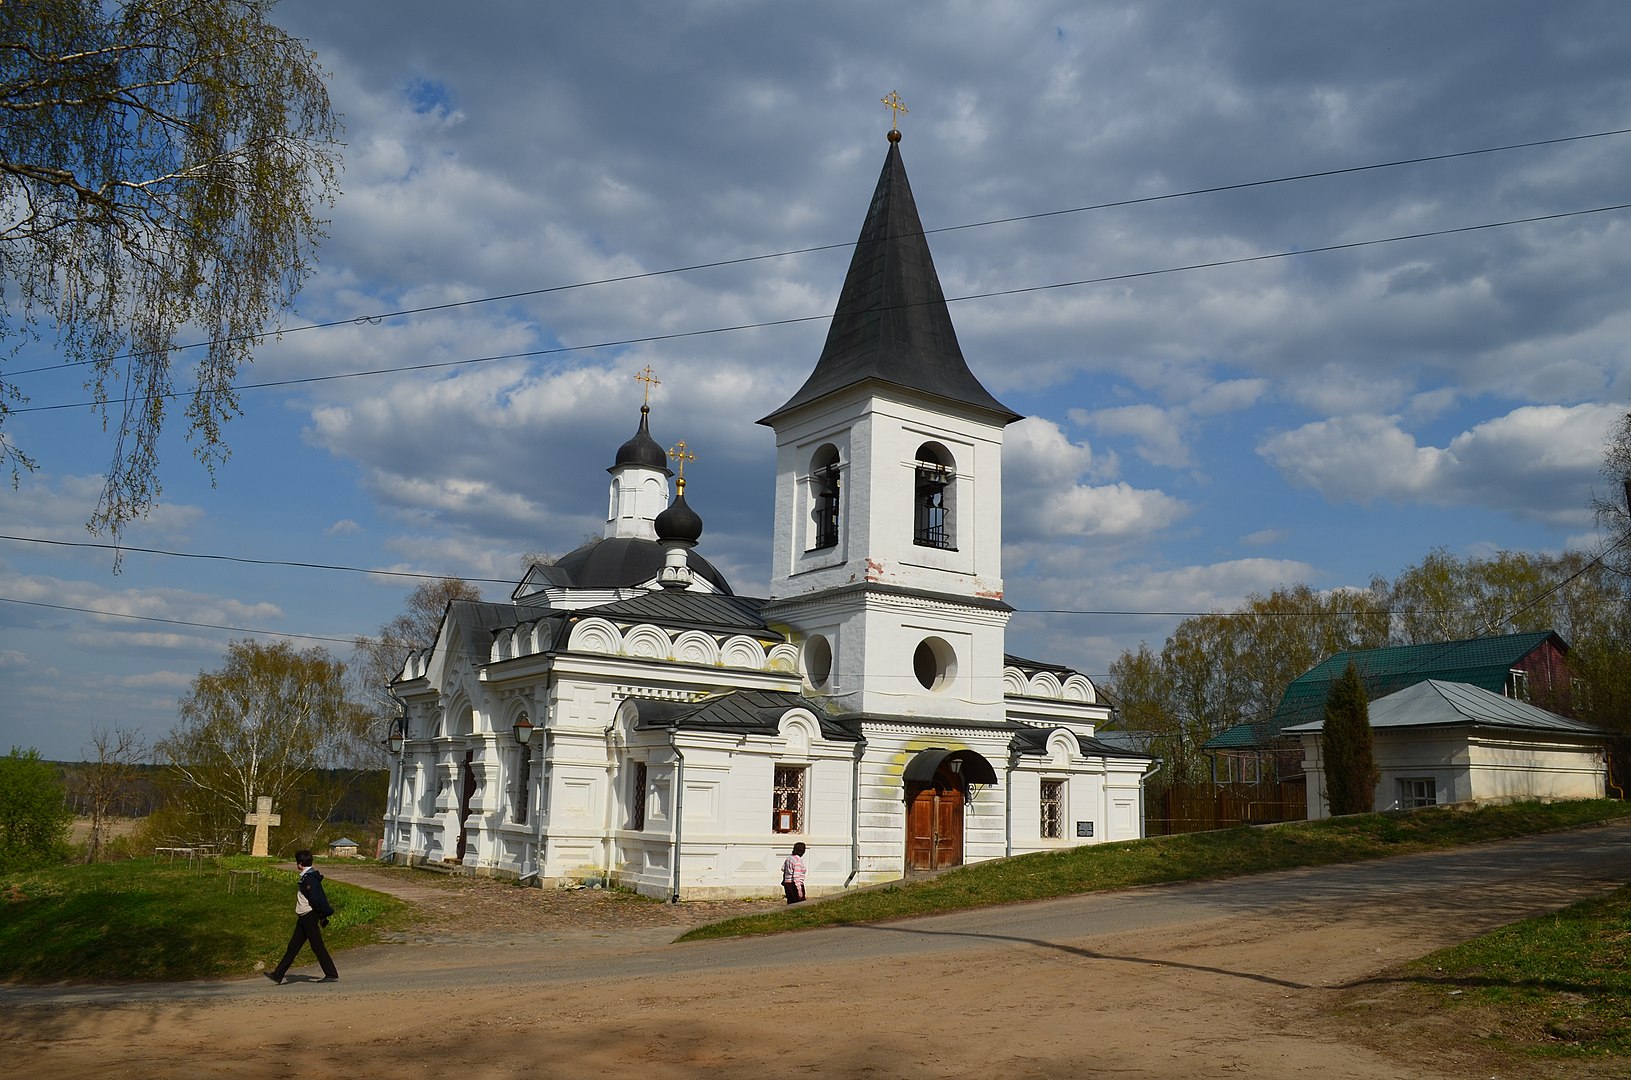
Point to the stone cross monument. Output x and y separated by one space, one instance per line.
262 819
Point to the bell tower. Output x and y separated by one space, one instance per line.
888 531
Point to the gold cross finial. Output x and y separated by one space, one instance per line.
895 106
650 380
680 454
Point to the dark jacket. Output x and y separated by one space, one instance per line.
311 885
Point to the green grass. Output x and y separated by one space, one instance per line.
1188 857
154 920
1556 986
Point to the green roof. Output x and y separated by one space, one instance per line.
1482 662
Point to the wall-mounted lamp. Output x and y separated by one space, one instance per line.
523 731
397 738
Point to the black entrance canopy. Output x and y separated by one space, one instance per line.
975 769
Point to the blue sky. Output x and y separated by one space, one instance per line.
1190 437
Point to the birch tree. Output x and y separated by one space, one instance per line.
269 722
162 167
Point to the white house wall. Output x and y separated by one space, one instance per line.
1468 766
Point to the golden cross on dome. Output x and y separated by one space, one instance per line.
680 454
895 106
650 380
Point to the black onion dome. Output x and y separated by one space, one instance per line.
642 449
679 523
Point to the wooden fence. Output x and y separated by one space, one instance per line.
1198 807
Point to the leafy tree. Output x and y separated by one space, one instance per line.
108 780
161 165
376 661
1614 508
1216 671
34 816
271 721
1348 747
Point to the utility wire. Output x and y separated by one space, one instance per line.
183 622
1119 612
680 335
379 317
123 548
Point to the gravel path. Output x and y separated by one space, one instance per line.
455 907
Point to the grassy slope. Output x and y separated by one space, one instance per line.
1188 857
153 920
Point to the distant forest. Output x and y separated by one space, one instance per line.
364 802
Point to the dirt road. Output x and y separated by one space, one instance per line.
1282 975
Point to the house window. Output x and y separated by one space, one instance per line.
932 498
787 808
523 785
1053 809
1517 684
824 495
1417 792
637 797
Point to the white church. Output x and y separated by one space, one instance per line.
627 718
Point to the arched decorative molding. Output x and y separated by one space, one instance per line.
461 718
799 728
1080 688
512 709
503 645
1013 682
647 642
594 635
1062 746
695 647
742 651
783 656
1045 684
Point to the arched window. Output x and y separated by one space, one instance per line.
933 497
824 497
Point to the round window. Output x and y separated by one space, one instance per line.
817 660
934 663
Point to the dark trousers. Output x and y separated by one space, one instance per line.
794 893
308 928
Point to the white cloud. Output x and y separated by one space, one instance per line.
1534 462
1043 498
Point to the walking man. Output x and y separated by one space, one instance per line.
311 912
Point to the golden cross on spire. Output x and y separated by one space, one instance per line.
680 454
895 106
650 380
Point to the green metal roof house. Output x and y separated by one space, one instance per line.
1448 742
1528 667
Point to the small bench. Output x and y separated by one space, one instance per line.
249 877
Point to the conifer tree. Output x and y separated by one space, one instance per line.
1349 747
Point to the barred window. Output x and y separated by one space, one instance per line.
1416 792
1053 809
787 809
637 797
932 500
825 497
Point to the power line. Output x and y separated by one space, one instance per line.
680 335
183 622
1096 612
122 548
379 317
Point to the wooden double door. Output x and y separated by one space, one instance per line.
934 826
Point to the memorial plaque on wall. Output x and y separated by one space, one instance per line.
1084 828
